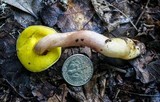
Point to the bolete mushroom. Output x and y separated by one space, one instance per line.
25 49
123 48
38 47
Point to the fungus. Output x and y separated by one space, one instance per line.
39 47
123 48
25 49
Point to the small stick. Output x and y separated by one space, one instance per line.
117 93
114 68
24 97
124 15
142 13
144 95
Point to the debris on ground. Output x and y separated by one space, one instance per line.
116 80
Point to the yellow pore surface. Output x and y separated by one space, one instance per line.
25 49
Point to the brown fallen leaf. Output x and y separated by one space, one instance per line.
43 90
61 97
79 15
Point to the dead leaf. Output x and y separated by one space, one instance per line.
43 90
154 70
146 69
50 14
24 19
24 5
54 98
80 15
61 97
76 16
113 13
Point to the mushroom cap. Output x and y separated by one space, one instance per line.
26 53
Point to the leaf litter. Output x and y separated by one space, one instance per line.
113 79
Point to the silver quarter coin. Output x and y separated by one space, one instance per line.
77 70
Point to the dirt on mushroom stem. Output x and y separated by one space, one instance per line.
111 47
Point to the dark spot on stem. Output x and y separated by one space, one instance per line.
76 40
108 40
81 46
82 39
29 63
45 52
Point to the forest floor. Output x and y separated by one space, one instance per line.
113 80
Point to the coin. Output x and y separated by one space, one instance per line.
77 70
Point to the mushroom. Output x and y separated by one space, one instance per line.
25 49
123 48
38 47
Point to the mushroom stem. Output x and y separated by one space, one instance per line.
123 48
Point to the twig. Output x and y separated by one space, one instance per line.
64 92
142 13
2 25
123 15
149 26
24 97
143 95
117 93
114 68
57 98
